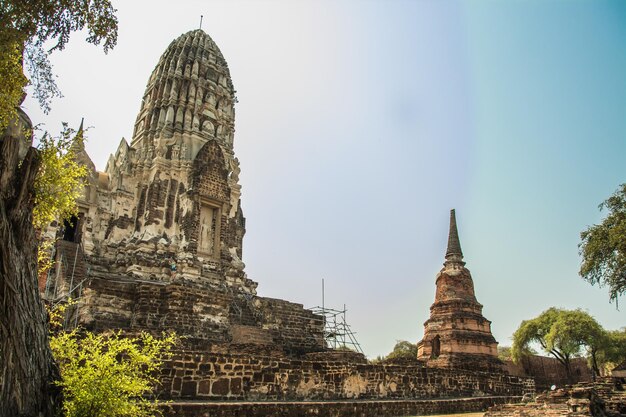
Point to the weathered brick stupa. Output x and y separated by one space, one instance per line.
457 335
158 241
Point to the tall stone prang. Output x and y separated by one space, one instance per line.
181 172
457 335
157 244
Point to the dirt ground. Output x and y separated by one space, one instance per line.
459 415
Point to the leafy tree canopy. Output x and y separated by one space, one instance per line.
561 333
26 26
603 247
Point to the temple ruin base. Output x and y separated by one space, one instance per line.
334 408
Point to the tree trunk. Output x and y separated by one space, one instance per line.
566 362
27 368
568 371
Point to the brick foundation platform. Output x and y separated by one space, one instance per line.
363 408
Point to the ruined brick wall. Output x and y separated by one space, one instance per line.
548 371
107 305
296 329
202 314
196 313
223 376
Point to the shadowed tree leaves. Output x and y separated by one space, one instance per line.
614 352
603 247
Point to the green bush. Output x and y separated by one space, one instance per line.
108 375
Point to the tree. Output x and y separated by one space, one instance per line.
402 350
61 178
504 353
614 351
603 247
109 375
27 26
27 369
562 334
578 327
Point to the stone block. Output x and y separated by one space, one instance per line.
189 389
220 387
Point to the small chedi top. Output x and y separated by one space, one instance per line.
456 334
454 254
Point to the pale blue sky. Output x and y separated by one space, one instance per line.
361 123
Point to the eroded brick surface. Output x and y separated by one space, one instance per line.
324 376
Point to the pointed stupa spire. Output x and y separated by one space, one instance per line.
454 254
79 142
78 147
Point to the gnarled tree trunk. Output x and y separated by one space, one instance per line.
27 368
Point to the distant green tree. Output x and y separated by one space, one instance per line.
504 353
603 247
402 350
614 351
561 333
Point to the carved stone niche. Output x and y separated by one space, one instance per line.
209 228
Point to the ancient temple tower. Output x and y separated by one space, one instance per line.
456 334
157 244
174 191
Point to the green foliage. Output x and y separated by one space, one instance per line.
12 81
26 26
614 351
109 375
56 316
532 331
561 333
61 178
402 350
504 353
603 247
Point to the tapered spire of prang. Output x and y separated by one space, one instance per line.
454 254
